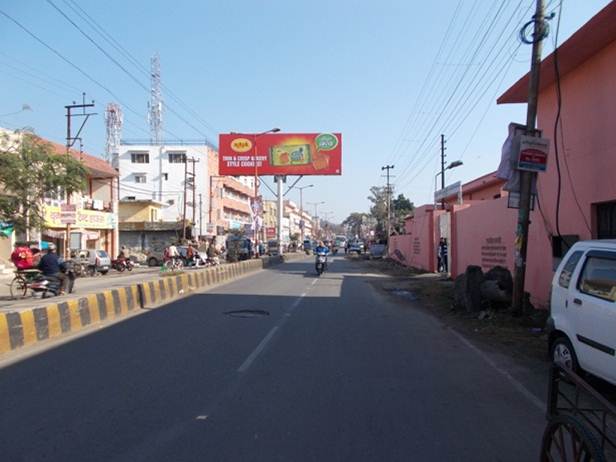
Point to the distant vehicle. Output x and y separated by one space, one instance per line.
582 318
356 246
239 248
96 261
377 251
272 247
341 241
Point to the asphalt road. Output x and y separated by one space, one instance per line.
311 369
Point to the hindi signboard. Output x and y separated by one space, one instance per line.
68 214
533 155
280 154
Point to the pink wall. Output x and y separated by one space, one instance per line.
417 248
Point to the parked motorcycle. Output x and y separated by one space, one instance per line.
321 262
122 264
49 286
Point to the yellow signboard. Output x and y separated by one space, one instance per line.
89 219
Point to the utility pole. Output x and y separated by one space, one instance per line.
443 168
200 214
192 182
70 141
526 178
388 168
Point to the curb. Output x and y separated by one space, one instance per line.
19 329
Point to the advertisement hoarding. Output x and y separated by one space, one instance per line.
280 154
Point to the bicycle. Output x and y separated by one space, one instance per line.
174 264
21 282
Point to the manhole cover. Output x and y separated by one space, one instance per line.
247 313
404 294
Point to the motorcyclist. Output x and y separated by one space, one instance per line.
320 249
212 252
51 266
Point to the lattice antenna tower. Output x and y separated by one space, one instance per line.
155 105
114 120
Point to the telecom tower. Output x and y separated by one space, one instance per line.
113 123
155 105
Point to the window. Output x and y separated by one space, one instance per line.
140 158
153 214
130 198
165 176
170 202
565 276
598 278
177 157
606 220
140 178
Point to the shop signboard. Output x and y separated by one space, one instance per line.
68 214
533 155
270 232
280 154
55 217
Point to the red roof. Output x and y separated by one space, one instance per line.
97 166
587 41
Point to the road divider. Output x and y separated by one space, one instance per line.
28 326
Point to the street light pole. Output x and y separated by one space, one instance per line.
301 209
454 164
316 215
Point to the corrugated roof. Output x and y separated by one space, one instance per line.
586 42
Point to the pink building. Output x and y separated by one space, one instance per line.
481 230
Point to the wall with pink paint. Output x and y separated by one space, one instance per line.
418 246
587 162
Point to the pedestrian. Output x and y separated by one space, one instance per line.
190 254
124 252
442 253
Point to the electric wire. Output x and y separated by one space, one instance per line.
77 9
451 96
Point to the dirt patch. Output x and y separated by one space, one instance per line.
434 293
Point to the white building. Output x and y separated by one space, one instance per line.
164 174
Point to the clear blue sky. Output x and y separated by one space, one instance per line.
356 67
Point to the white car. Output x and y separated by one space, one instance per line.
582 322
97 261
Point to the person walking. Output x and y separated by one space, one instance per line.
442 253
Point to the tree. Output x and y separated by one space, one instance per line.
401 207
31 170
378 210
354 223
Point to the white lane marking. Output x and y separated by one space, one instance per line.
516 384
246 364
314 281
201 417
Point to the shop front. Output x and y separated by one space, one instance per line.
79 229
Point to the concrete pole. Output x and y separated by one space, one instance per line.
279 186
526 178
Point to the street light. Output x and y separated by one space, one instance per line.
454 164
256 222
301 209
316 215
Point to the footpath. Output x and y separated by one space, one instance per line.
24 325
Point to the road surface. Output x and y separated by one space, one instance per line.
277 366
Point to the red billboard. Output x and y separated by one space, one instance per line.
280 154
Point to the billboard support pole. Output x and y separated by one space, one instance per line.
280 179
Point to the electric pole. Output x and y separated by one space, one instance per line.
527 178
388 168
443 168
200 215
70 141
189 178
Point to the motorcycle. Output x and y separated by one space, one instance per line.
321 262
122 264
49 286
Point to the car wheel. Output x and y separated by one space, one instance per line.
104 272
153 261
562 352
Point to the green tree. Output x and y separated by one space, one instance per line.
31 170
354 223
378 210
401 207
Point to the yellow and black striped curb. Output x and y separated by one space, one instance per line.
22 328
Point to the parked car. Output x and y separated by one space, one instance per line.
96 261
582 318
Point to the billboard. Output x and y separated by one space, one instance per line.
280 154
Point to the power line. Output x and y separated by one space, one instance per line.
122 50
